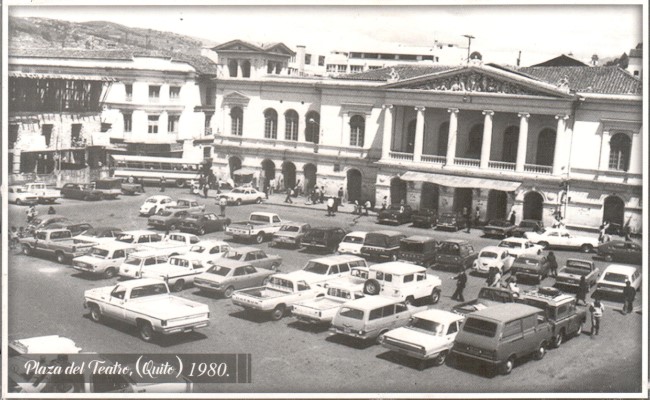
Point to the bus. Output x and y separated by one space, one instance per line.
151 169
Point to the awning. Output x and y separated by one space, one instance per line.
245 171
41 75
461 181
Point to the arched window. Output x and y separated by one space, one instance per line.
475 141
357 130
237 121
312 127
291 125
443 139
270 124
619 152
232 68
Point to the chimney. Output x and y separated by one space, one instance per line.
300 58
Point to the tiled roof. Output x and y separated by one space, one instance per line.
404 72
203 65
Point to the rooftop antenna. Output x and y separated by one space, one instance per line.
519 58
469 45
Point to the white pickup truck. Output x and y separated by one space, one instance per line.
277 296
260 226
146 304
322 310
41 191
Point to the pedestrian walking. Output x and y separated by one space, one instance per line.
162 183
289 196
602 232
13 238
297 189
461 282
512 284
490 278
31 214
628 233
477 217
629 293
366 206
583 288
141 185
552 263
384 203
513 217
496 280
271 187
322 194
468 219
330 207
223 202
596 309
206 188
357 207
51 210
340 194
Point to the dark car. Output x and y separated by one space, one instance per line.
420 250
73 227
324 238
167 219
455 254
45 222
102 232
382 245
621 251
202 223
81 192
527 225
487 296
533 266
498 227
451 221
425 217
396 214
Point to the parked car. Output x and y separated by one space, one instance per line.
417 249
396 214
429 336
75 228
531 266
167 220
188 205
225 276
290 234
132 266
621 251
44 194
44 222
424 217
322 310
155 204
498 227
104 259
613 279
55 242
573 270
503 334
255 257
175 242
451 221
202 223
563 239
178 271
455 254
382 245
352 243
520 246
80 192
487 297
260 226
323 238
211 249
324 269
241 195
406 282
527 225
493 257
102 234
20 196
565 318
139 237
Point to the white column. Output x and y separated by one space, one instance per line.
486 144
636 160
559 141
419 134
387 138
451 138
240 73
522 144
603 162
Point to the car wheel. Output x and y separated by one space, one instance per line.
609 258
27 250
109 273
371 287
146 331
201 231
508 366
259 238
266 281
442 357
178 285
278 313
172 227
586 248
540 352
258 200
19 202
95 313
274 266
60 257
228 292
409 300
435 296
238 202
544 245
180 183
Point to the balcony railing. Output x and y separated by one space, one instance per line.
502 165
467 162
302 147
538 169
395 155
430 158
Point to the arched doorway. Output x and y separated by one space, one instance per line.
397 190
268 173
354 184
614 210
545 147
288 174
533 206
429 196
462 199
234 163
310 177
510 143
497 205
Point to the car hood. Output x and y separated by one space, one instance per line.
213 277
417 337
162 218
308 277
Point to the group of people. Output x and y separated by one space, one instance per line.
472 219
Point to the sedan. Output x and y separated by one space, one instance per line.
327 238
498 227
613 279
81 192
203 223
533 266
520 246
242 195
561 238
527 225
100 235
256 257
167 219
226 276
621 251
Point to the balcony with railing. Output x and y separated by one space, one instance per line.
292 145
538 169
467 162
501 165
433 159
396 155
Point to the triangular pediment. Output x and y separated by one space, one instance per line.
481 79
280 48
236 98
237 45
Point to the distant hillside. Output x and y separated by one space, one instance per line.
96 35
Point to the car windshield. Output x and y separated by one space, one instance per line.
99 253
480 327
614 277
578 264
290 228
151 201
233 255
237 191
192 217
395 207
179 262
126 238
488 254
316 234
197 249
316 268
498 222
259 218
416 247
351 313
427 325
577 270
149 290
527 224
378 240
341 293
359 273
449 248
353 239
219 270
284 284
509 245
132 261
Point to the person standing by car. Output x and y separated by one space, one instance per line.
583 288
206 188
461 282
162 183
366 206
223 202
322 194
629 293
596 309
340 194
289 196
513 217
384 203
468 219
477 217
552 263
330 207
31 214
512 284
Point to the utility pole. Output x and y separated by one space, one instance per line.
519 58
469 45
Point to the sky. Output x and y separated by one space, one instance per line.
500 32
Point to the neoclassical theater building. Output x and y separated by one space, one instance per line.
537 140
